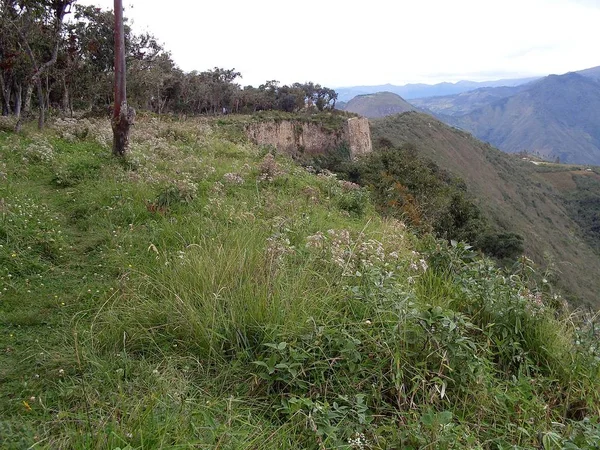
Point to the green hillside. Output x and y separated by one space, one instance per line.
516 194
204 293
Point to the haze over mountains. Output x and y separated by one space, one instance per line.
419 90
554 117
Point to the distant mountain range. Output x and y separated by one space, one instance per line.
465 102
554 117
557 116
410 91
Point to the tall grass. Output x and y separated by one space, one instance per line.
205 295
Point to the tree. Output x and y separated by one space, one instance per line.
91 58
123 116
39 26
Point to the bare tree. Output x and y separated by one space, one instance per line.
123 116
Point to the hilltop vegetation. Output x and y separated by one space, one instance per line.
75 57
205 293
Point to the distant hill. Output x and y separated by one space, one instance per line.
555 117
378 105
517 195
420 90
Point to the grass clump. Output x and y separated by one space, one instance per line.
206 294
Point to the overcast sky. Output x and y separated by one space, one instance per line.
346 43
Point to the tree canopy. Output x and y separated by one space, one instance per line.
70 65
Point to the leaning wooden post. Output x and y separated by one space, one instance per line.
123 116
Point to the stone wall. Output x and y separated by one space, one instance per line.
358 136
299 138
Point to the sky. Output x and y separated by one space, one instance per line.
348 43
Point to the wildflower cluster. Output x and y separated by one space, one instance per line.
311 194
233 178
175 131
325 174
278 245
269 169
39 151
418 263
7 123
348 186
353 255
71 130
587 337
537 302
183 190
358 441
216 197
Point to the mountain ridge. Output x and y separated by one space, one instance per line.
555 117
418 90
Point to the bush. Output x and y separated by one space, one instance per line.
502 245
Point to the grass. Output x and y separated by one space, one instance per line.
203 294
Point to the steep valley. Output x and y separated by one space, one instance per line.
516 194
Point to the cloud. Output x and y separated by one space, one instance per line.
334 43
530 50
589 3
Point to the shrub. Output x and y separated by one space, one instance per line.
502 245
180 191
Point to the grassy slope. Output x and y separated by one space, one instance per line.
514 193
193 296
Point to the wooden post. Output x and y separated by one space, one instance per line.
123 116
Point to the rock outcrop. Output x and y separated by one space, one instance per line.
301 138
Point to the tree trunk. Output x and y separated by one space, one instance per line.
121 126
27 104
5 88
40 95
47 101
26 107
65 97
123 116
18 93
